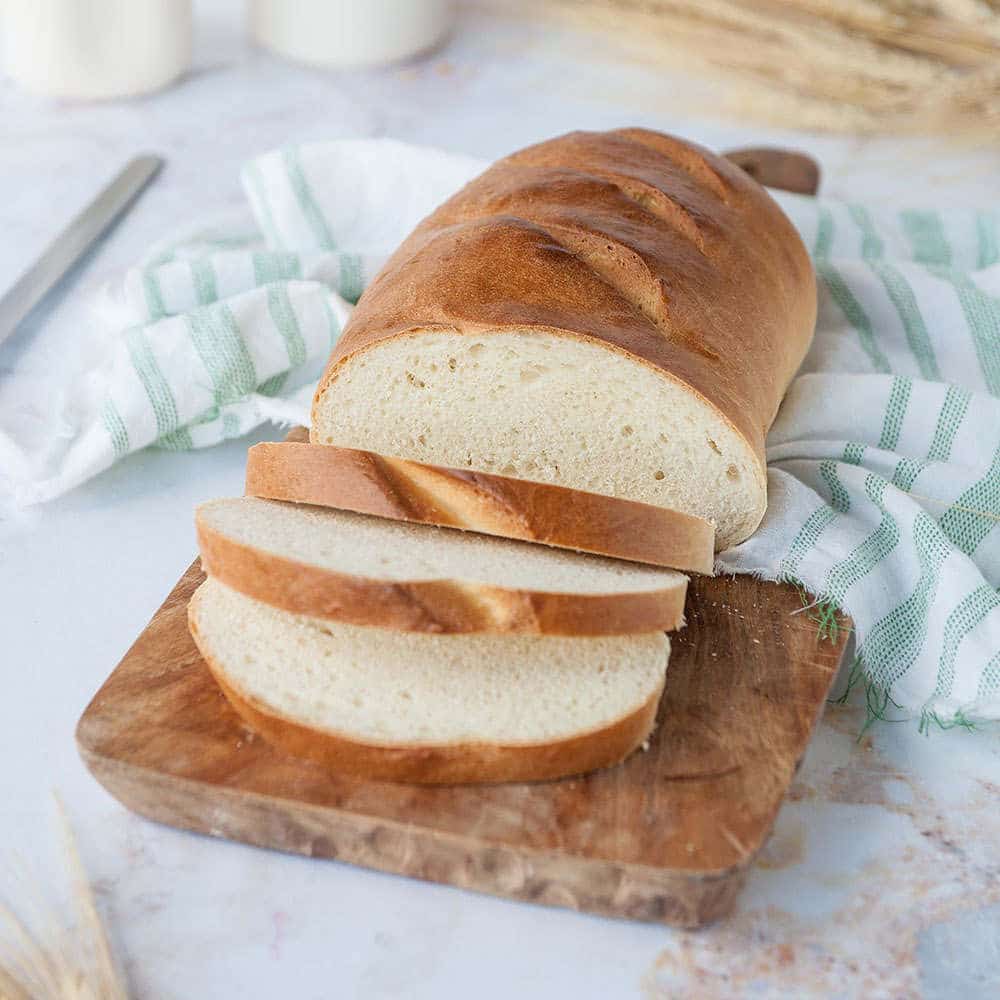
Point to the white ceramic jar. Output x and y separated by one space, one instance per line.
95 49
340 34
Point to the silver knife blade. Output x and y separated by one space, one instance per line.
67 248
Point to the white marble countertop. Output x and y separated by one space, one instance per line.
882 878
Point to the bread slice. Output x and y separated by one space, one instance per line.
362 481
387 705
615 312
370 571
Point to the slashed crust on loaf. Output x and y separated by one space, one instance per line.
650 252
423 759
588 595
362 481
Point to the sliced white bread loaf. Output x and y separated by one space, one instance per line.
368 483
616 312
397 706
417 578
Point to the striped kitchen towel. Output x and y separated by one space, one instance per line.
225 324
884 462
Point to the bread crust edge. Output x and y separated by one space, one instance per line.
400 489
438 606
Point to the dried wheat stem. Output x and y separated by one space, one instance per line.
845 65
44 957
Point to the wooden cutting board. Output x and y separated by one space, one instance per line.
666 836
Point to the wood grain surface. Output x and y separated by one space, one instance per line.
666 836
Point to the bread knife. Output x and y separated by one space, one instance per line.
71 244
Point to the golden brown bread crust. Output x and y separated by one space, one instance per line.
454 763
442 606
651 246
395 488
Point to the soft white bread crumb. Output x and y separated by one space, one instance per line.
553 409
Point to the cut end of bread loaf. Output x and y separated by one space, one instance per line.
418 578
554 409
386 705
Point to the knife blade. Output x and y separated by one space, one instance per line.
70 245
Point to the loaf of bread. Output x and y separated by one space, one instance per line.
350 479
413 577
618 313
381 704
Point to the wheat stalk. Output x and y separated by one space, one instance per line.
840 65
44 957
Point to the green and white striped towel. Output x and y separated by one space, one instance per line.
884 462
